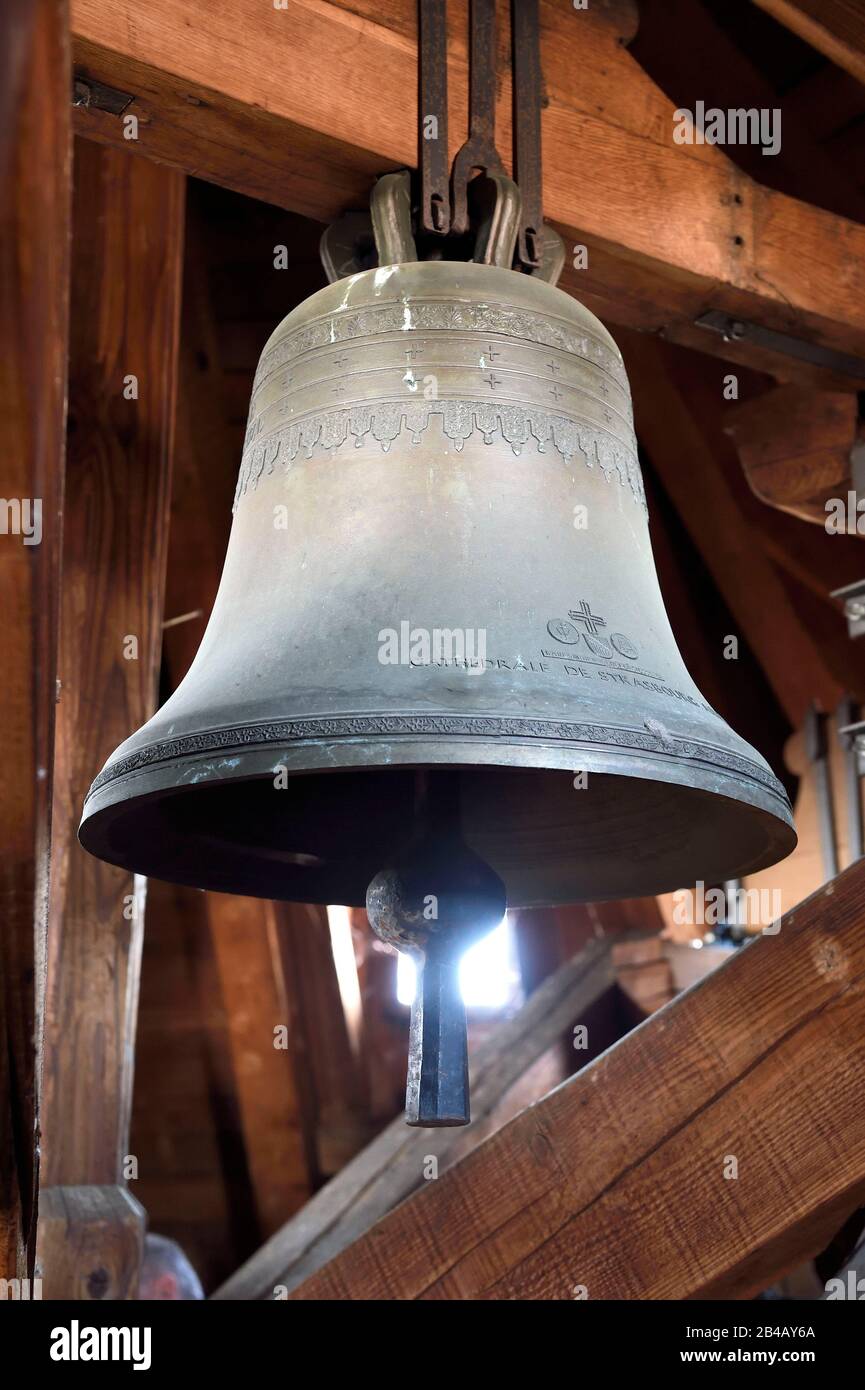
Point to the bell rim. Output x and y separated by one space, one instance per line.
305 733
111 802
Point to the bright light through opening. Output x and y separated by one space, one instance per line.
488 972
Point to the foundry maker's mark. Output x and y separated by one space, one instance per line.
566 631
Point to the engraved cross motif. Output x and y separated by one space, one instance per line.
584 614
554 366
492 354
493 381
607 416
412 352
338 389
340 362
555 392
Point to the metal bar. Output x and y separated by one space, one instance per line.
437 1088
86 92
479 153
815 742
482 72
845 715
738 330
526 46
433 116
852 597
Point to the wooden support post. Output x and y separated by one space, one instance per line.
706 1154
398 1161
35 162
127 249
90 1243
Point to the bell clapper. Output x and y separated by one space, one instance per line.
437 899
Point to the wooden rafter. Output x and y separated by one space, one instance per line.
710 66
835 28
685 454
822 562
706 1154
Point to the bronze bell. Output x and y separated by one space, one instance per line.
440 559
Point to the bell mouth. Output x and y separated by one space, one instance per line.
626 825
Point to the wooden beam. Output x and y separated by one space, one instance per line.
795 447
700 619
127 258
709 66
836 28
187 1131
802 551
706 234
383 1029
397 1161
205 465
684 453
245 941
643 973
35 163
838 663
621 1183
326 1058
91 1241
